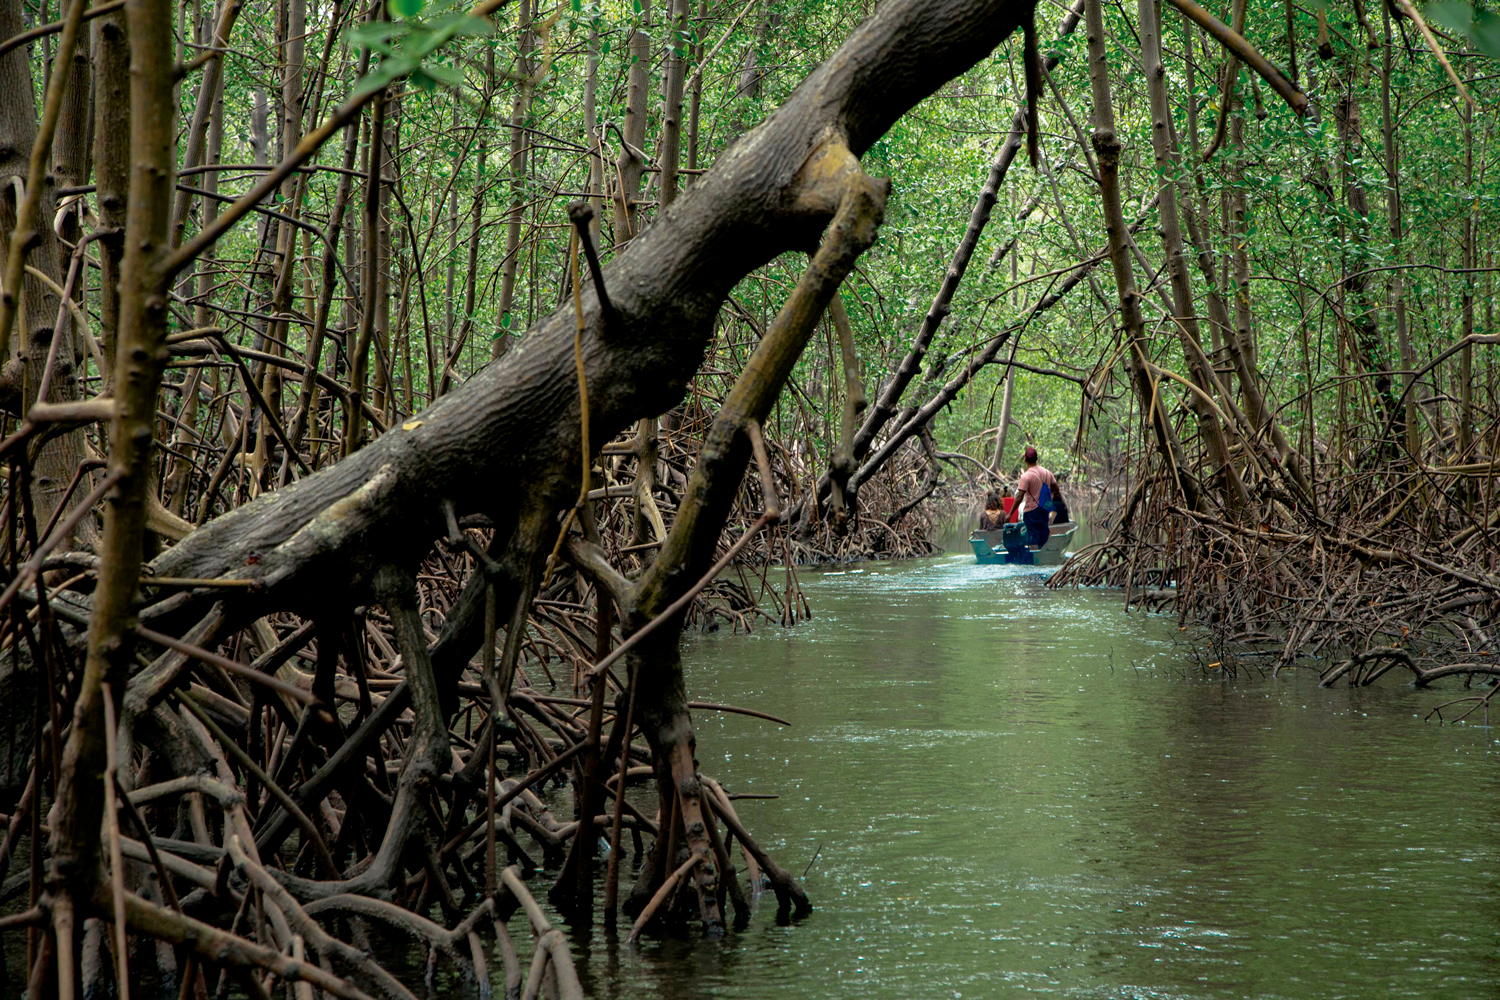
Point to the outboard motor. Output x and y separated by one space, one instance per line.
1017 551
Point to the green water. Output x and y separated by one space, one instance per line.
1020 791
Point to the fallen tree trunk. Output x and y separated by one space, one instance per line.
328 534
506 445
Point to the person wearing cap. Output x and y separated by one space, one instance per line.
1034 492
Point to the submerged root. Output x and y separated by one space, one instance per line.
431 819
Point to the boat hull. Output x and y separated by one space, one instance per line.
1008 546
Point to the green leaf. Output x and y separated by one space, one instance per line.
1454 15
387 70
1486 34
476 26
425 43
371 32
405 8
446 75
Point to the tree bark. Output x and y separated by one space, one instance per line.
1365 326
677 45
141 359
646 519
1003 430
477 442
1469 249
518 147
293 57
1409 430
1185 317
72 154
55 463
1106 145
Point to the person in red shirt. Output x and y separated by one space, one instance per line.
1034 492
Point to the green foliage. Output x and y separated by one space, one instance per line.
407 44
455 81
1479 28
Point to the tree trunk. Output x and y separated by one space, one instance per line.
677 44
142 356
111 171
1469 249
646 520
359 355
591 131
1003 431
696 100
72 152
1409 429
205 140
1366 328
1184 316
1106 145
519 144
293 57
54 465
382 361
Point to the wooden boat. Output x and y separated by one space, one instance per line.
1008 545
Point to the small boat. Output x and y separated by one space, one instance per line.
1008 545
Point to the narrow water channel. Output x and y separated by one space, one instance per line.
1021 791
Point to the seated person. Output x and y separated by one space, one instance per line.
1060 512
995 512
